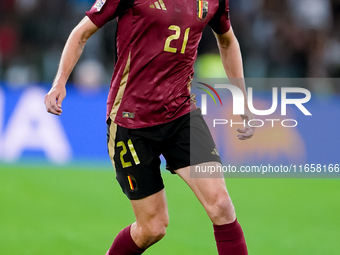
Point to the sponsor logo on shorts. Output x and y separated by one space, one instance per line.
215 152
132 183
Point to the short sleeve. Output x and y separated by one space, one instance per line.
105 10
220 22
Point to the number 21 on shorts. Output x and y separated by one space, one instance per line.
124 151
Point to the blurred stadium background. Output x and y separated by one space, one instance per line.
58 193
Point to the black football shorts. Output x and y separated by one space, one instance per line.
185 141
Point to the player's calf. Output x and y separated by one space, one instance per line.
229 239
134 240
124 244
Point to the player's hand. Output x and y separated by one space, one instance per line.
54 99
247 132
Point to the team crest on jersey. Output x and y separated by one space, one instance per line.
202 9
99 4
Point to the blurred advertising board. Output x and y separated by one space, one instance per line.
27 131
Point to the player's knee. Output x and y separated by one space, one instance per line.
221 211
157 231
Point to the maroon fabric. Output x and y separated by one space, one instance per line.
124 244
229 239
156 50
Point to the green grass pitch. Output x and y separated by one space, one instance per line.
75 211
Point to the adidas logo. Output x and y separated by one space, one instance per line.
158 5
215 152
130 115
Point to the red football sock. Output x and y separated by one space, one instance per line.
124 244
229 239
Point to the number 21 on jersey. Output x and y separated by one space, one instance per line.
177 29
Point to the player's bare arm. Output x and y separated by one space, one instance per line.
72 51
232 63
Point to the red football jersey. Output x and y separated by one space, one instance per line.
157 44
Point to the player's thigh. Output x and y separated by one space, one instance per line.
206 189
151 219
212 193
151 210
